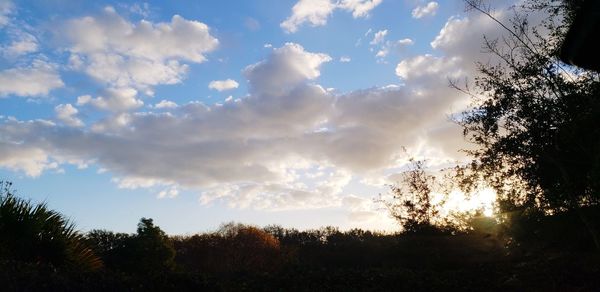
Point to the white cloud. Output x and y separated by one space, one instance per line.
405 42
258 152
382 53
23 43
345 59
359 8
113 99
379 37
383 47
169 193
35 80
139 55
67 114
316 12
267 45
286 67
428 65
222 85
165 104
428 10
30 160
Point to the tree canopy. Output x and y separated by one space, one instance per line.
535 119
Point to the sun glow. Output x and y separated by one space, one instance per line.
482 200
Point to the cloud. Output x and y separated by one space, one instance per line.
359 8
405 42
316 12
30 160
379 37
67 114
286 67
165 104
428 10
427 66
23 43
38 79
113 99
120 53
222 85
261 151
6 9
383 47
141 9
170 193
345 59
282 196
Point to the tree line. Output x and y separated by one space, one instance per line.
534 120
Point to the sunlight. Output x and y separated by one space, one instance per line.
482 200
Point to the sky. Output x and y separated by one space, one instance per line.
196 113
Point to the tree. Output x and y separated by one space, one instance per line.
32 233
412 201
154 248
535 119
150 250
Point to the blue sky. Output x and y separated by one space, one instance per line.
197 113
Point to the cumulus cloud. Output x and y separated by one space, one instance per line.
120 53
345 59
286 67
427 66
67 114
429 9
113 99
30 160
38 79
313 12
263 151
316 12
222 85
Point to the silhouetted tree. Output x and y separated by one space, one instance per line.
412 202
535 119
150 250
32 233
153 247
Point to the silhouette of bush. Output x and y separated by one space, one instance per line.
150 250
233 248
32 233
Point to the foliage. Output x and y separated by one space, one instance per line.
535 119
412 203
35 234
242 257
148 251
234 247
